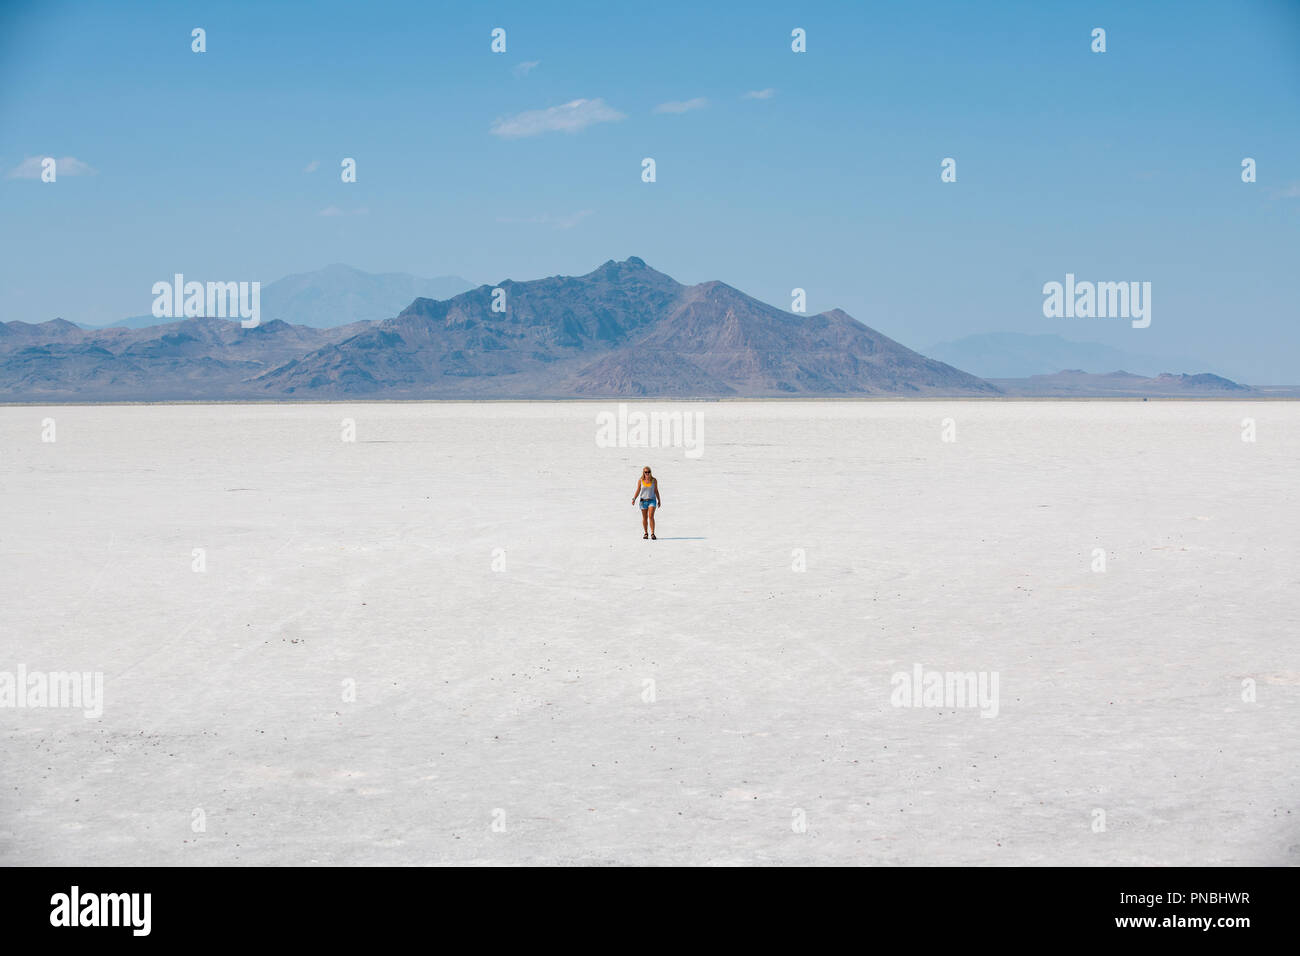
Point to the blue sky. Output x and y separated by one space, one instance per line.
1116 166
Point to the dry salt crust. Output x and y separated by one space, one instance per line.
519 696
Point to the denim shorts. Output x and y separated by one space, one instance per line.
649 503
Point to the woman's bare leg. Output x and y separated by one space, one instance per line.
651 512
644 515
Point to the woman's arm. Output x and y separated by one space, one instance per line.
636 494
659 501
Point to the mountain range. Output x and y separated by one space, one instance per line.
622 330
995 355
1076 383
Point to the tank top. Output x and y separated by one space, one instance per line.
647 489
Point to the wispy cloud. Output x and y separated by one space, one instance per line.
30 168
523 69
336 211
312 166
766 94
569 118
1289 191
682 106
557 222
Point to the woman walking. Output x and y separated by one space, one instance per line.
647 493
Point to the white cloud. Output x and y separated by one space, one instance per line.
766 94
312 166
30 168
683 106
1291 191
569 118
558 222
331 211
523 69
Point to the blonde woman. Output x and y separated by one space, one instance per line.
647 493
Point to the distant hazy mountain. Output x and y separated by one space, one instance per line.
339 294
333 296
1018 355
1075 383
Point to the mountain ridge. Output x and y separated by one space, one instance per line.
595 334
